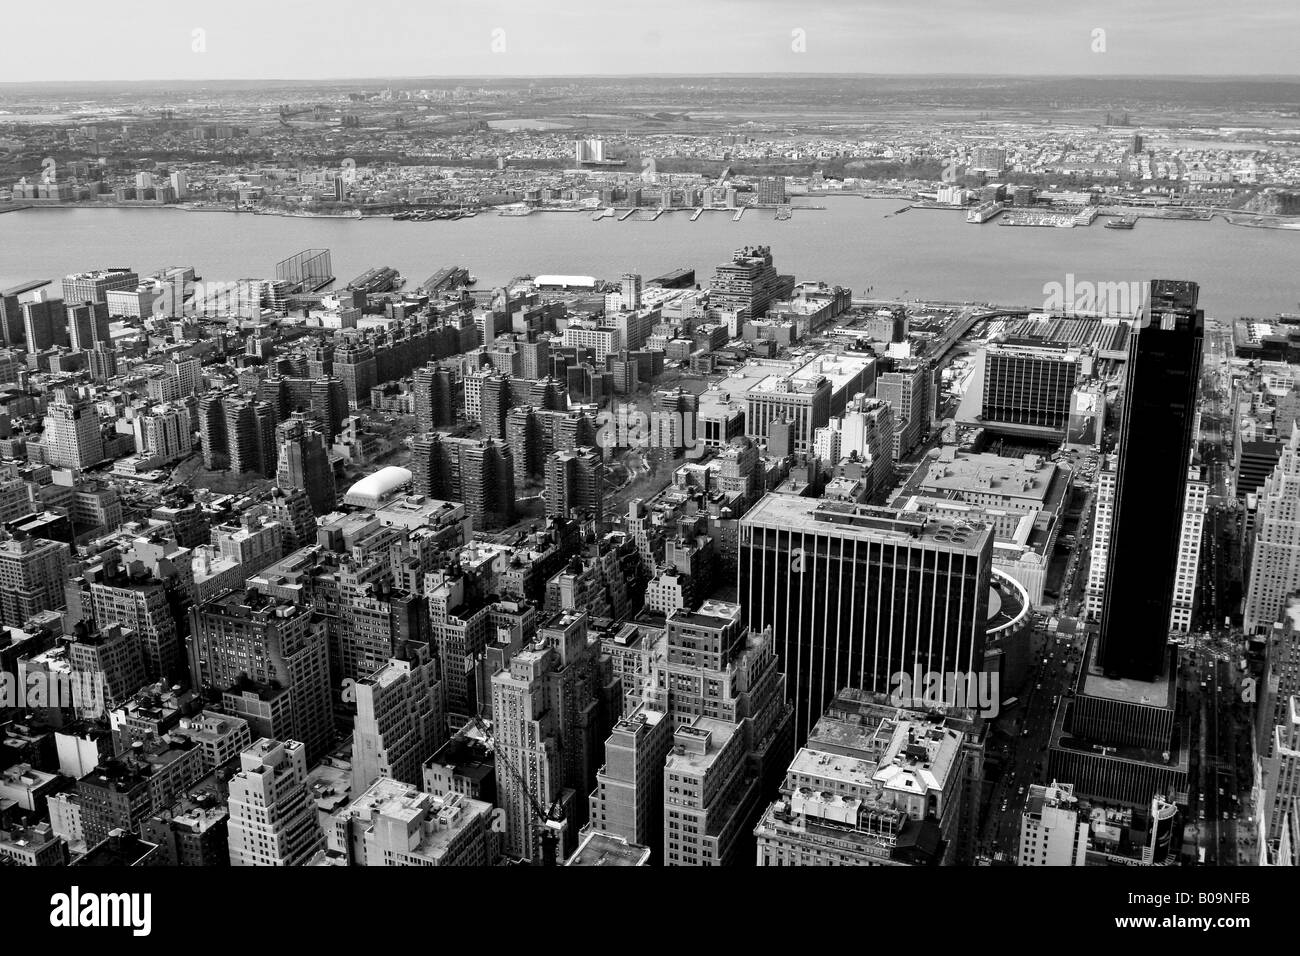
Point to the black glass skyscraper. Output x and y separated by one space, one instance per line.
1155 446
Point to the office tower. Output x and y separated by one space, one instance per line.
575 481
356 368
527 749
144 600
1186 578
71 438
876 785
31 577
250 435
1052 830
1256 460
1027 390
92 286
44 324
1281 770
396 824
87 324
748 284
628 799
11 318
272 816
458 629
1275 562
304 462
909 393
721 689
240 636
631 295
399 722
179 184
435 397
1155 445
1095 592
856 594
552 709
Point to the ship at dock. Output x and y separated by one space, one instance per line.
1122 222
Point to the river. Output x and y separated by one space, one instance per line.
933 254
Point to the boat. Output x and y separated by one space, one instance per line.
1123 222
471 280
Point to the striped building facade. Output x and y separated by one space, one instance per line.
855 594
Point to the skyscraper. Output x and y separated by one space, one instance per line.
93 286
242 635
909 394
272 816
856 594
1155 445
87 325
399 722
71 438
304 462
1275 565
1027 389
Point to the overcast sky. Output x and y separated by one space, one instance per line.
316 39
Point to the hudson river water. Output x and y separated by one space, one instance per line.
932 254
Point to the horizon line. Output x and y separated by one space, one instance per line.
1230 77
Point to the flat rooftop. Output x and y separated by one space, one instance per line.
604 849
865 522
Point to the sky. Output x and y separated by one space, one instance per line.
322 39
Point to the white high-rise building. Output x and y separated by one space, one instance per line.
179 184
1282 770
1096 591
399 722
71 438
272 817
1052 833
1189 551
1275 564
164 432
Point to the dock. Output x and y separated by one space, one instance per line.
627 215
739 212
600 214
696 215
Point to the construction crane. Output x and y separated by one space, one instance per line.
550 822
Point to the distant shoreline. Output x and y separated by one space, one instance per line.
1232 217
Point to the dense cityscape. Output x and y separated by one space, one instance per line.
689 564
